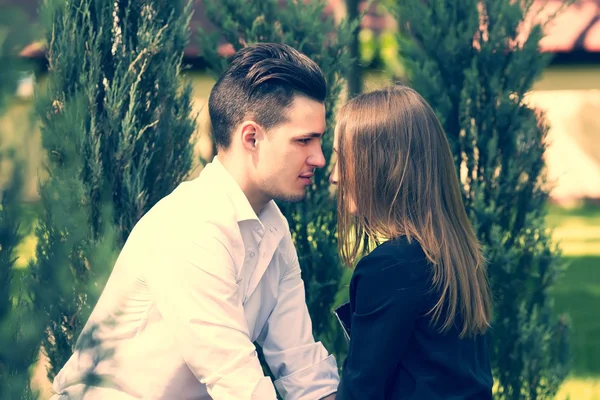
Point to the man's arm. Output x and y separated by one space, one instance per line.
304 369
194 285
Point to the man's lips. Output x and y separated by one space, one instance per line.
306 178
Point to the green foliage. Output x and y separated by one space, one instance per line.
380 52
18 334
464 57
303 26
116 126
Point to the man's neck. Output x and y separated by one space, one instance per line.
240 175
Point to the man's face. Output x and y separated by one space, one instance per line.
291 151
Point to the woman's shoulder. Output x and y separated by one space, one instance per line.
391 274
400 249
398 256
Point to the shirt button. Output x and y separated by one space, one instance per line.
252 254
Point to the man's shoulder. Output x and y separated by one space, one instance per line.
194 200
188 210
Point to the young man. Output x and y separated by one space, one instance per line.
212 267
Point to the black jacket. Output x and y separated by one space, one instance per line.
395 352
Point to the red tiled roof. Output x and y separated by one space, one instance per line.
575 28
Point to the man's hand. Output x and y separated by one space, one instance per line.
330 397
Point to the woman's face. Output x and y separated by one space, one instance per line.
335 176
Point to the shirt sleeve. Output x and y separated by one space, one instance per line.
194 285
303 367
388 299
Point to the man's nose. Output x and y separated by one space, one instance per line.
318 159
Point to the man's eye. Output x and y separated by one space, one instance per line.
304 141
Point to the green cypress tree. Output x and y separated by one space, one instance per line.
116 125
18 341
466 58
303 26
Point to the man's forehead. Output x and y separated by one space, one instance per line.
305 110
300 101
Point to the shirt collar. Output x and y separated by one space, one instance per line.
270 217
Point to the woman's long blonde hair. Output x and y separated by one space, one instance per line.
397 178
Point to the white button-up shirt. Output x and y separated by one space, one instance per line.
200 279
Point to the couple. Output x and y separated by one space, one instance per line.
211 269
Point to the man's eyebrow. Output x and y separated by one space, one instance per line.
312 134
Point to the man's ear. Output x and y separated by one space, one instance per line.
251 134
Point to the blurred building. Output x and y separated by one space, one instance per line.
575 31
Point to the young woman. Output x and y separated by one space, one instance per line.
419 298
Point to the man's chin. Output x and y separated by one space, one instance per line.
291 197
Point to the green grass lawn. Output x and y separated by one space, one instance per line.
577 293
